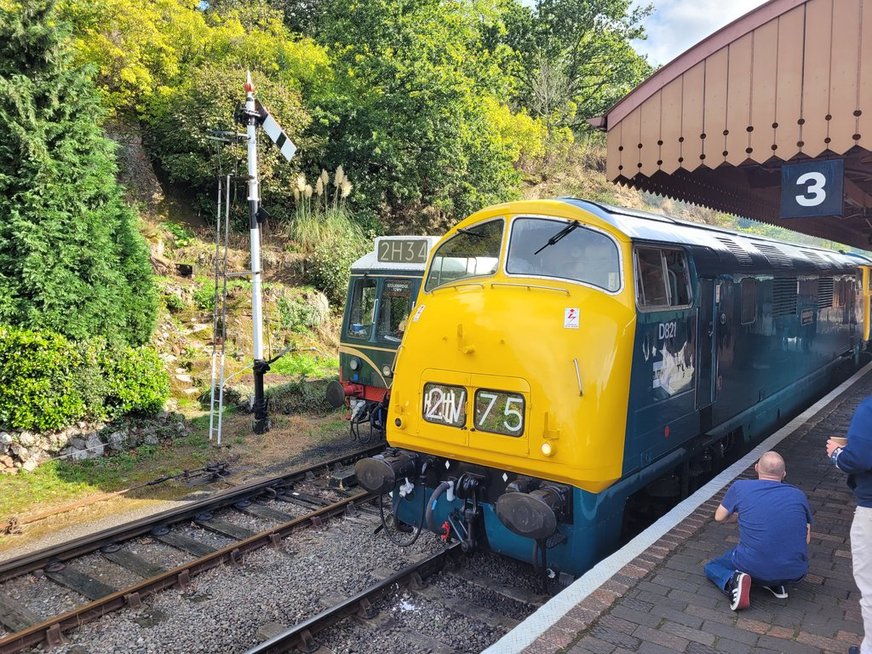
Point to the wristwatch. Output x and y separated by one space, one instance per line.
835 456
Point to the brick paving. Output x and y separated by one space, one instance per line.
662 602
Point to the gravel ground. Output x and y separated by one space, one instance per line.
230 609
156 552
224 608
41 596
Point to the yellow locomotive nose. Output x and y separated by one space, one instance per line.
518 370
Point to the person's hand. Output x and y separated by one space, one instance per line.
832 446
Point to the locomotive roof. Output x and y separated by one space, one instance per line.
746 249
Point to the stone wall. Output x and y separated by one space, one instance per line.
25 450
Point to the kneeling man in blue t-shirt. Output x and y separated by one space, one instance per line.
774 532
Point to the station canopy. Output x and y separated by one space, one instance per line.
788 83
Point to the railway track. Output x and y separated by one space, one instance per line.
120 567
440 589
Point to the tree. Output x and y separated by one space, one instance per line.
178 67
178 125
71 258
576 56
411 113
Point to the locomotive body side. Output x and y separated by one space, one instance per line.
537 408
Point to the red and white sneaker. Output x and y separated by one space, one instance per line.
740 591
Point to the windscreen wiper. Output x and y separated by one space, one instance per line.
563 232
469 232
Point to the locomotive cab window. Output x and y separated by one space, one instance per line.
394 308
472 252
566 250
360 318
662 278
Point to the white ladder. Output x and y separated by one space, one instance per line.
219 312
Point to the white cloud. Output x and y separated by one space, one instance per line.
676 25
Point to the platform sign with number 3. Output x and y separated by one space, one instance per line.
812 188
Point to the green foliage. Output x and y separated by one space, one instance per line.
181 236
329 265
575 56
304 365
433 106
135 379
320 213
204 291
48 382
38 380
204 294
173 302
412 112
71 258
147 49
297 315
298 396
178 125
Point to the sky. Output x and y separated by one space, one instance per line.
676 25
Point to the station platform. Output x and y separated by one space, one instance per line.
652 595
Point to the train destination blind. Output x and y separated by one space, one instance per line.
402 250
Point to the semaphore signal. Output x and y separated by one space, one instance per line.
252 115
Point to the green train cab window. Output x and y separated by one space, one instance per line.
472 252
394 308
662 278
563 249
444 404
360 317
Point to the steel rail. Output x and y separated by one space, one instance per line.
301 635
51 631
18 566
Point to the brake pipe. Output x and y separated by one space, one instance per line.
431 503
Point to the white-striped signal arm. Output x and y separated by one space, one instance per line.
277 135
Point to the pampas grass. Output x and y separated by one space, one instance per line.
316 218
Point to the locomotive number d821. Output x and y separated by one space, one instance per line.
571 366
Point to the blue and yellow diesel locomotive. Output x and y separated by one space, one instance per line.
570 366
381 293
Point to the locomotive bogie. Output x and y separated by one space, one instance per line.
571 369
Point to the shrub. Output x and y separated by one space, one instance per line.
135 379
48 382
181 236
297 315
204 294
329 266
173 302
72 260
301 395
38 380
